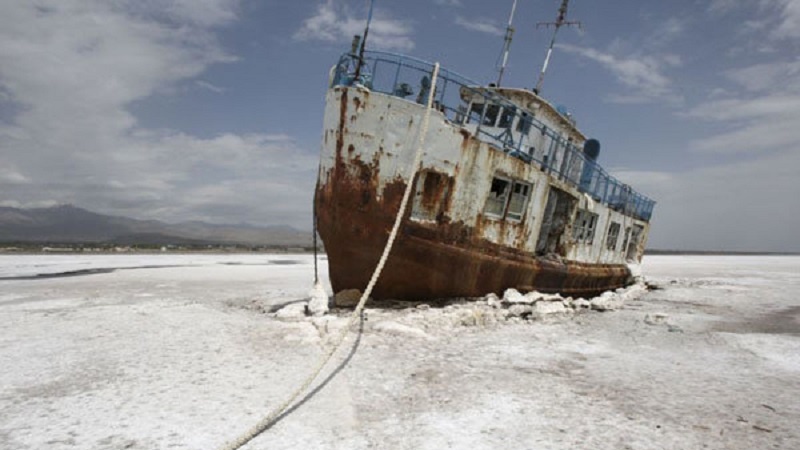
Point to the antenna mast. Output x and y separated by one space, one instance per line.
507 43
560 22
363 43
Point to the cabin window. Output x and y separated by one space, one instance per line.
520 192
461 115
507 199
476 110
498 196
585 224
627 237
507 118
613 236
636 235
524 124
490 118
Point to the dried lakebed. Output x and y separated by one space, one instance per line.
191 356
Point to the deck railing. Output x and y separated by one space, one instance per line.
409 78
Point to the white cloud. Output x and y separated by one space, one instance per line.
333 21
764 107
665 32
448 2
86 61
740 205
752 137
781 17
9 175
754 125
209 86
200 12
789 22
480 25
36 204
75 67
722 6
258 176
762 117
643 76
766 76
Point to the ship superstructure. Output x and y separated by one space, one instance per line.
509 193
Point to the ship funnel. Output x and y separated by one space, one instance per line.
591 148
354 45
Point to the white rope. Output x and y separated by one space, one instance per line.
266 421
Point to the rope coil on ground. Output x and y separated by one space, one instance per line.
264 423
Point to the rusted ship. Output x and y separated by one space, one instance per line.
509 193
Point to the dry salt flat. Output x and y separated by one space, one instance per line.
188 352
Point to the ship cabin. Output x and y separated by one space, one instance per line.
525 126
542 138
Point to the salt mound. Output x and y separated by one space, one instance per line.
537 305
398 329
318 302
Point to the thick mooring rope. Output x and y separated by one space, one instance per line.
264 423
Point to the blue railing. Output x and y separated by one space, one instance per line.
409 78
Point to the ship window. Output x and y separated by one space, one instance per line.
498 195
524 124
476 110
613 236
490 117
507 118
585 224
507 199
633 248
627 237
519 200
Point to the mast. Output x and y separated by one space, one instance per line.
507 43
560 22
364 42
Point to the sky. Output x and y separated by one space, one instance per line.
212 109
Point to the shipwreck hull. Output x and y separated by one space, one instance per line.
448 245
430 261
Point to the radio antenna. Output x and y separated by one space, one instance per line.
507 43
363 43
560 22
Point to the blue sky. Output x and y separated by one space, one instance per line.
212 109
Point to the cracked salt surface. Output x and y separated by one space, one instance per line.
191 356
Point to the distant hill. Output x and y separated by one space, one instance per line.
70 224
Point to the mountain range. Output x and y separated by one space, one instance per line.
71 224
